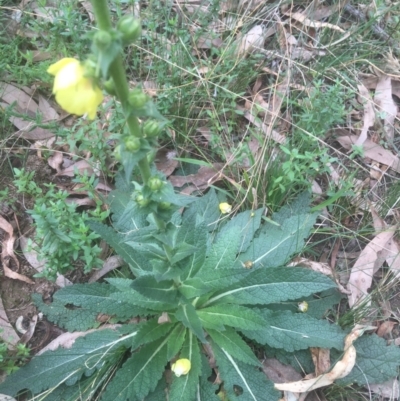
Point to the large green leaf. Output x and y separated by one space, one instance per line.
207 208
376 362
176 340
245 223
53 368
231 315
161 291
76 307
276 244
295 331
151 331
223 251
232 343
136 260
243 382
140 373
184 388
187 314
265 286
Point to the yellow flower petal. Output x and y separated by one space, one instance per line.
181 367
74 92
225 207
56 67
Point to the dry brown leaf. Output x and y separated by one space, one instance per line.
369 114
81 166
39 55
164 318
250 41
313 24
389 389
25 104
385 328
7 253
202 179
165 161
49 114
31 257
341 369
67 340
278 372
150 88
386 105
372 151
8 334
321 360
56 160
370 259
110 264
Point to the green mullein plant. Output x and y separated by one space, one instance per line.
209 293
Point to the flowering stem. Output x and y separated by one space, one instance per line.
117 73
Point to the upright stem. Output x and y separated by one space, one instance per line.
118 74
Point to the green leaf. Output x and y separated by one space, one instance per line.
207 208
140 373
193 287
175 341
188 316
137 262
161 291
243 379
79 319
184 250
151 331
231 315
159 393
53 368
223 252
218 279
265 286
318 305
376 362
275 245
184 388
96 297
232 343
246 223
301 205
295 331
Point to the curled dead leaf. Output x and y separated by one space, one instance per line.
341 369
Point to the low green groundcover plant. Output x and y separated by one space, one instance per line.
209 295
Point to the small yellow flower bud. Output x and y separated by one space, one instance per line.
225 207
181 367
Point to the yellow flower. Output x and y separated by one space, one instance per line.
181 367
303 306
225 207
75 93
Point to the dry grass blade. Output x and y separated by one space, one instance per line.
369 114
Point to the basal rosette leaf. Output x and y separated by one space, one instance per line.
184 388
265 286
296 331
232 343
54 368
160 291
140 374
187 314
231 315
241 381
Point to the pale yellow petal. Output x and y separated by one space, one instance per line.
68 76
56 67
80 99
